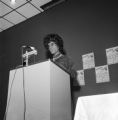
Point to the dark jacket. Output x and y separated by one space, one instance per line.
66 63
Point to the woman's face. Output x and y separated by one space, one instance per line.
53 48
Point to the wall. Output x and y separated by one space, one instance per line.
1 72
85 27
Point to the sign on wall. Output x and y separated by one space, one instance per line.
88 61
112 55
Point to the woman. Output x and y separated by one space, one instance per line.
55 51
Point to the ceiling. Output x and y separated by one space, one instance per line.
11 15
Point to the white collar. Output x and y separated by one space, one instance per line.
55 58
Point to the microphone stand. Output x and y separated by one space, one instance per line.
22 55
26 58
27 54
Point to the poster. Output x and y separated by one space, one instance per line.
88 61
112 55
80 77
102 74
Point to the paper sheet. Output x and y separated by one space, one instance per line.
80 77
88 61
112 55
102 74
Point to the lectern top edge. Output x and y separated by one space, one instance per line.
41 61
20 66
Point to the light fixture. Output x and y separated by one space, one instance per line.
13 2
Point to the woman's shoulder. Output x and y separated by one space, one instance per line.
67 59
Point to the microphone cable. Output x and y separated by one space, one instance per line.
24 113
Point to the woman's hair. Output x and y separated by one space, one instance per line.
57 40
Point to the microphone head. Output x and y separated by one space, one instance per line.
33 48
23 46
26 46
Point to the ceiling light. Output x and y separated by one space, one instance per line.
13 2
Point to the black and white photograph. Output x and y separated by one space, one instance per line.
58 60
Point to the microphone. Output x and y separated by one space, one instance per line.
33 48
26 46
23 46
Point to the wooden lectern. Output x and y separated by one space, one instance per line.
39 92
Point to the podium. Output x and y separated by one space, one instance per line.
39 92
